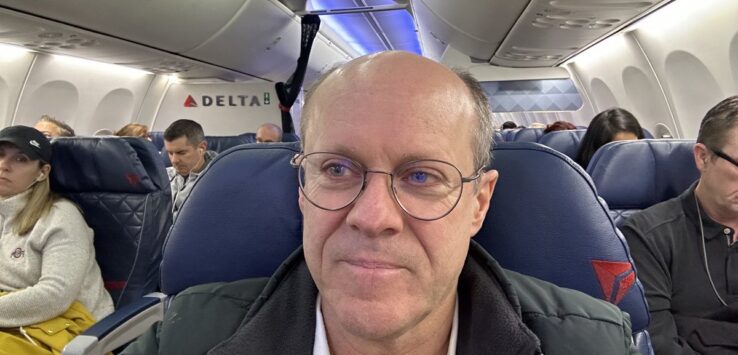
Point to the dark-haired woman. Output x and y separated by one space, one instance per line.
615 124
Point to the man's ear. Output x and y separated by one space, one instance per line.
482 199
701 155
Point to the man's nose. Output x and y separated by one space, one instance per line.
375 212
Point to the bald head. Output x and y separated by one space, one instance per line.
423 85
268 133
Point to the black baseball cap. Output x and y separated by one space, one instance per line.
29 141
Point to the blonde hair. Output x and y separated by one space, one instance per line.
40 200
133 130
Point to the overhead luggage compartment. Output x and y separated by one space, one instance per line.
259 38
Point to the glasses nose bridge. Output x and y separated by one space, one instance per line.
390 187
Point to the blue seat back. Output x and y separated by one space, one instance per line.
122 188
158 139
290 137
554 227
634 175
566 142
509 134
241 219
217 144
527 135
497 137
248 137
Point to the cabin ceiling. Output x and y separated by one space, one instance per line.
248 39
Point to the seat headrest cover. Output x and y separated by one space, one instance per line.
528 135
107 164
241 219
566 142
223 143
545 220
639 174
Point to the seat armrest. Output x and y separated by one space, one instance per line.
119 328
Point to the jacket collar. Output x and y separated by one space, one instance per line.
711 228
9 207
282 319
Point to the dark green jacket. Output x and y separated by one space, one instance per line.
500 312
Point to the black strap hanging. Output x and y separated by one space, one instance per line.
288 92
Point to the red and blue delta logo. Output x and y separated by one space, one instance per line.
616 278
228 100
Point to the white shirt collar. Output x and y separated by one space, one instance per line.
320 346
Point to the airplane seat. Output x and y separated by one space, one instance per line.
122 189
497 137
290 137
647 134
248 221
577 247
215 143
248 137
566 142
509 134
242 211
158 139
241 220
527 135
633 175
223 143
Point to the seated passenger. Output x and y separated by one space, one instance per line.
391 202
134 130
615 124
268 133
685 251
509 125
48 272
184 141
559 126
53 128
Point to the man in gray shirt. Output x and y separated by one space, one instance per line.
185 144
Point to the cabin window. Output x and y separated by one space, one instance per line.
532 95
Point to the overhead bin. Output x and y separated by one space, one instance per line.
522 33
258 38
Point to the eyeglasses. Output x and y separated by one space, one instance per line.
424 189
724 156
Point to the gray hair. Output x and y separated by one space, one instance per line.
482 134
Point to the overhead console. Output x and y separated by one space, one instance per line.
229 39
519 33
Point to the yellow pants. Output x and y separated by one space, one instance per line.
48 337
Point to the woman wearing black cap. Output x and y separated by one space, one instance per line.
47 257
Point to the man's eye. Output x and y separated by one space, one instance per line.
418 177
337 170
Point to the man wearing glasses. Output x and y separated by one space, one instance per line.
392 189
685 250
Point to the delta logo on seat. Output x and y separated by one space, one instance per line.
228 100
616 278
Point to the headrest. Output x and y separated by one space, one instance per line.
248 137
647 134
566 142
528 135
241 219
509 134
106 164
223 143
545 220
290 137
642 173
158 139
497 137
